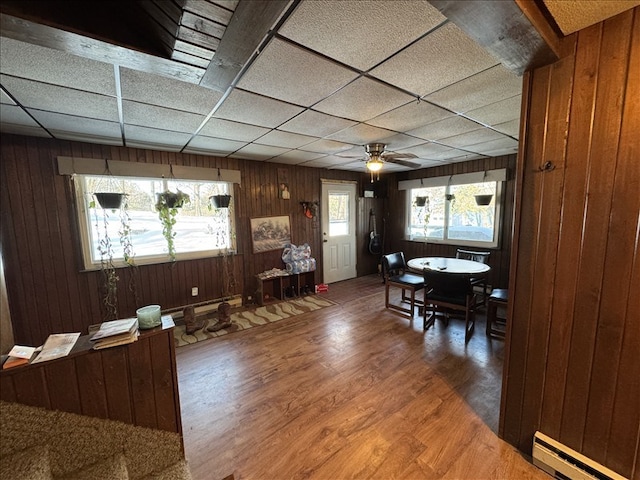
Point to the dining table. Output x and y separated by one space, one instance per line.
449 265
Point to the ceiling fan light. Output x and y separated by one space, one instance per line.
374 165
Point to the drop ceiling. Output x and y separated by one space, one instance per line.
330 77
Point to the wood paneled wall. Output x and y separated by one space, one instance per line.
48 292
499 258
572 367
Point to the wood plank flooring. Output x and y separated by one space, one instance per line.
351 391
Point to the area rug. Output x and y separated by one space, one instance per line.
255 317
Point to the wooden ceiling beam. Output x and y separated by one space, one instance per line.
82 46
504 31
247 28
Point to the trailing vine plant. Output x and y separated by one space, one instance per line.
167 207
109 275
127 250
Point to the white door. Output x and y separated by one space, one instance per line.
338 231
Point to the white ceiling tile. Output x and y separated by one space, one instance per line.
254 109
218 127
151 116
410 116
471 138
485 88
360 134
277 138
26 130
400 140
511 128
46 65
444 56
144 137
372 30
6 99
326 146
167 92
85 126
445 128
504 143
88 137
294 157
363 99
328 161
427 151
294 75
316 124
258 152
498 112
14 115
214 145
53 98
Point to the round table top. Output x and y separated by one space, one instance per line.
446 264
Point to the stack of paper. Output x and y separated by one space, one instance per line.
115 332
19 355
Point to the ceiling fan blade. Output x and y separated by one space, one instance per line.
403 162
398 155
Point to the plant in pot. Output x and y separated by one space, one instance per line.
167 205
109 200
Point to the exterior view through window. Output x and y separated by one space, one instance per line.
200 229
450 214
338 214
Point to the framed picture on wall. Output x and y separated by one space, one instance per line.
270 233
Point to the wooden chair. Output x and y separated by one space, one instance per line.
448 293
498 298
396 275
479 280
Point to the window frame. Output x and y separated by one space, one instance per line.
498 178
84 218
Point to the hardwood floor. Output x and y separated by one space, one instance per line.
350 391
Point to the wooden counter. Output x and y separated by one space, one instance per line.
135 383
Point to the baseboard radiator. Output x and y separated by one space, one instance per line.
562 462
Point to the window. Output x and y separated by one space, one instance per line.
200 230
338 214
448 213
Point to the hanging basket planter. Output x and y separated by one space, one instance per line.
483 200
109 201
220 201
171 200
421 201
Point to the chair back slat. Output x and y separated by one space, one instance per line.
482 257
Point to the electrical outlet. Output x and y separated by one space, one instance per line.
194 291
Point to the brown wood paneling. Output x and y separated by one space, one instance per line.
162 383
613 240
574 315
62 385
116 385
93 397
626 408
142 392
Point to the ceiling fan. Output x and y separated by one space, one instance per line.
376 157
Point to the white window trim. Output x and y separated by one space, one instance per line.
84 219
499 176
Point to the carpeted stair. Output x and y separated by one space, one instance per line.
39 444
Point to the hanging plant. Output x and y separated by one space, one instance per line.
108 268
421 201
167 206
220 201
109 201
483 200
127 250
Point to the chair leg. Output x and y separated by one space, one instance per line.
386 295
